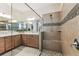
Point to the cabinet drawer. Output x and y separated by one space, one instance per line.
17 40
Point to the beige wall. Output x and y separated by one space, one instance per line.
69 31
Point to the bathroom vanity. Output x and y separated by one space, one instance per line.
10 41
30 39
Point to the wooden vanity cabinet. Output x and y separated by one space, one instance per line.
24 40
17 39
8 43
30 40
12 43
34 41
27 40
2 45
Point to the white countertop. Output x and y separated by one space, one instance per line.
31 33
9 33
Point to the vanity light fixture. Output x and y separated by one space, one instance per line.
5 16
13 21
30 19
29 22
2 23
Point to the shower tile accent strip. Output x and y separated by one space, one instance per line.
73 13
51 24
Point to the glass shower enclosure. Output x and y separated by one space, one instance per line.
16 19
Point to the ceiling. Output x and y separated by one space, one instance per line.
5 8
21 12
43 8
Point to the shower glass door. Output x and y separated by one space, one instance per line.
19 27
24 21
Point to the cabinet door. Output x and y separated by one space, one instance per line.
24 40
13 41
8 43
2 46
27 40
33 41
17 40
30 40
36 41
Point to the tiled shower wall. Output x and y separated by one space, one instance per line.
51 39
61 41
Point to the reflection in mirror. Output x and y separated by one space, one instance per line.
5 35
24 19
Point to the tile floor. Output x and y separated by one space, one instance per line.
14 51
27 51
